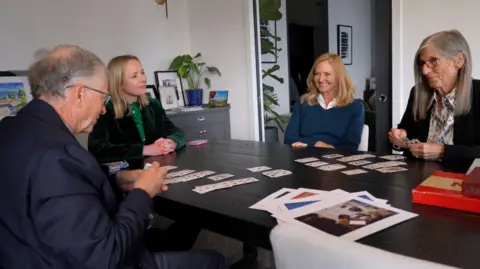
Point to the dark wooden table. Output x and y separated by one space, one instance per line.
440 235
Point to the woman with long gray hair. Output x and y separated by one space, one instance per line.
442 119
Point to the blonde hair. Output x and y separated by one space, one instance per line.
448 44
345 91
116 75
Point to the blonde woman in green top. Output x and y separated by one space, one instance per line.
134 125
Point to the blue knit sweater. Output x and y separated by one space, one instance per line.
340 127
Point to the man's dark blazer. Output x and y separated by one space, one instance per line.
58 208
466 129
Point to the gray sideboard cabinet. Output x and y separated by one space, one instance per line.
209 123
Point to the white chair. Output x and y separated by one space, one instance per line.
363 146
297 247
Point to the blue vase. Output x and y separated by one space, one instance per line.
195 97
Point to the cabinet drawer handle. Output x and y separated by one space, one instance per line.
203 131
201 119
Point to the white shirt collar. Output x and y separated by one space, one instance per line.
321 102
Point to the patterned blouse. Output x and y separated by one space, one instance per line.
441 120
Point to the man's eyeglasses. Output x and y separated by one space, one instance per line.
106 96
431 63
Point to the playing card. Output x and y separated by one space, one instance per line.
331 167
354 172
306 160
220 177
174 180
170 167
259 168
357 163
393 157
332 156
277 173
384 164
392 169
180 173
355 157
223 185
316 164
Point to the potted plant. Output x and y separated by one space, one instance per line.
194 72
270 10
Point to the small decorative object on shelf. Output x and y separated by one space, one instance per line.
218 98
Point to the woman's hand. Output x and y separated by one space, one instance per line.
427 151
321 144
397 137
299 145
168 144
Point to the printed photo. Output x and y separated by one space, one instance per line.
218 98
12 98
345 217
168 97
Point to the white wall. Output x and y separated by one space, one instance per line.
356 13
108 28
282 90
220 31
414 20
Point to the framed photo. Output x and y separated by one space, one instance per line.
270 27
168 81
218 98
344 43
168 97
152 92
15 93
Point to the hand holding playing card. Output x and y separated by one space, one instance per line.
397 137
299 145
427 151
321 144
151 179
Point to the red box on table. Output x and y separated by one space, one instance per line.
444 189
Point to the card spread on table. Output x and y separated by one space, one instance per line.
354 172
170 167
332 156
392 169
220 177
393 157
259 168
306 160
355 157
223 185
277 173
383 164
358 163
197 175
316 164
331 167
180 173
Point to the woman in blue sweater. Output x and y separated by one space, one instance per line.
327 116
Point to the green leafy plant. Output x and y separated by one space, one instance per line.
270 10
193 70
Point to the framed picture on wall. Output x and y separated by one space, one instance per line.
268 30
344 43
15 93
152 92
170 79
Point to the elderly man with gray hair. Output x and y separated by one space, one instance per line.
58 208
442 119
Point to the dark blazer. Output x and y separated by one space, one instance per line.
466 129
57 207
118 139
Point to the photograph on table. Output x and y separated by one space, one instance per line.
14 93
346 217
170 81
265 202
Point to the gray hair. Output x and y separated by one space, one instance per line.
63 65
448 44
